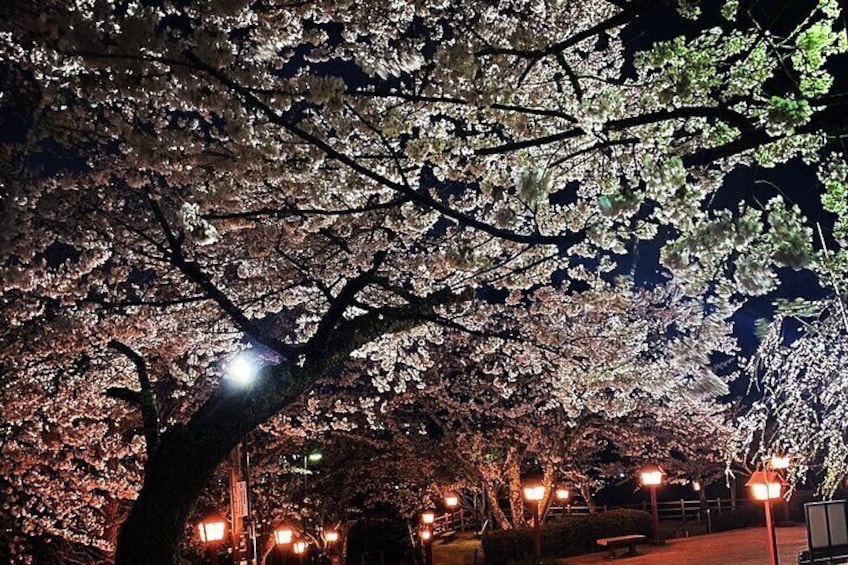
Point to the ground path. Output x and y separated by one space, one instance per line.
737 547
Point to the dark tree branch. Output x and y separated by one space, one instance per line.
421 197
620 19
145 399
295 211
730 116
193 271
342 301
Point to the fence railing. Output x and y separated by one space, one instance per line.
667 510
687 513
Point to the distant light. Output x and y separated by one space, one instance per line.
651 475
300 547
331 536
242 369
765 485
212 527
696 486
562 494
428 517
451 501
315 457
534 492
283 535
779 462
426 535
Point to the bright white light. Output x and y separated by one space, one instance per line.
241 369
779 462
534 493
766 491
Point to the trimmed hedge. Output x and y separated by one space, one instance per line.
571 536
743 517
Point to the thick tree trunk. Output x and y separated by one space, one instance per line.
548 481
586 493
494 506
175 478
516 495
186 458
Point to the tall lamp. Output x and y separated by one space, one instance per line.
767 486
651 476
534 493
212 529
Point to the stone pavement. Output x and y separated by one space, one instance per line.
738 547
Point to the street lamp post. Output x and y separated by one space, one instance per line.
330 539
241 372
766 486
300 548
426 535
534 493
212 529
651 476
283 536
452 502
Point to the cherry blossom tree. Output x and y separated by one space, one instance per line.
798 370
325 179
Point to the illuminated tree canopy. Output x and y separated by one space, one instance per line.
336 183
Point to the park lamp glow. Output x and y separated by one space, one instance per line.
451 501
651 475
331 536
428 517
314 457
534 492
562 494
283 535
765 485
426 535
696 486
242 369
212 528
300 547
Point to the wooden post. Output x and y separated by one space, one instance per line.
537 533
733 501
772 536
655 517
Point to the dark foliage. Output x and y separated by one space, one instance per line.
572 536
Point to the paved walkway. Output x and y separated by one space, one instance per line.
738 547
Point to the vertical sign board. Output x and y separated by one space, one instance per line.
827 526
240 499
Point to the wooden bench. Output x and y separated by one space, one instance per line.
622 541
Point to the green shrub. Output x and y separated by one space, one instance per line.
571 536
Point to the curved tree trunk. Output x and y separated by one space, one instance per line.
495 507
185 459
516 495
586 493
187 455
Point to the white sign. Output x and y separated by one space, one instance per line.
240 499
